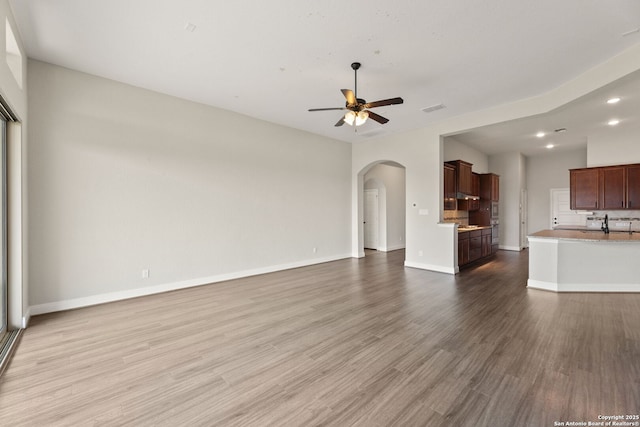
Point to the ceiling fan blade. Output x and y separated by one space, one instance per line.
351 98
340 122
326 109
381 103
377 117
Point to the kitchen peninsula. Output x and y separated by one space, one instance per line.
584 261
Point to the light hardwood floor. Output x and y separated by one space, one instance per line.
354 342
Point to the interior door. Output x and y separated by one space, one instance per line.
371 219
561 213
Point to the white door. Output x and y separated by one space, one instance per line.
561 213
371 219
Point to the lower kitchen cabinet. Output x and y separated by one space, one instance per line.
486 243
463 248
473 245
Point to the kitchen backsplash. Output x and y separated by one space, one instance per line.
618 220
460 217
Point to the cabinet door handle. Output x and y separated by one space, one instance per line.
622 204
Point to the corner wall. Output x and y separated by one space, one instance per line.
16 97
125 180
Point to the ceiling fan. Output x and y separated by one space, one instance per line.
359 108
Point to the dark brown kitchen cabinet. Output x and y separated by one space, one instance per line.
584 188
486 242
473 245
474 205
469 204
612 188
605 188
463 176
489 194
449 187
633 187
463 248
490 187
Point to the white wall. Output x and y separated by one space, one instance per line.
614 145
16 97
456 150
544 172
390 183
512 169
124 179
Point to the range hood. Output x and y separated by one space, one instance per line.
463 196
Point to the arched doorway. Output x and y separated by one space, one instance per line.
382 186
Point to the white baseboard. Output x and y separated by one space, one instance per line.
430 267
166 287
392 248
26 318
510 248
586 287
539 284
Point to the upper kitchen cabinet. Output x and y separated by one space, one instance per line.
490 187
474 204
605 188
584 188
612 188
450 202
463 176
633 187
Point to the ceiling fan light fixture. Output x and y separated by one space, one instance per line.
350 117
362 117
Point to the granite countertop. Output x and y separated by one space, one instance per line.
588 235
473 228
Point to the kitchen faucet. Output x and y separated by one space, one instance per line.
605 224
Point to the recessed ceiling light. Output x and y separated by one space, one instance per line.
613 122
613 100
540 134
549 146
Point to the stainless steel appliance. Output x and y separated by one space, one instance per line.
495 232
495 210
495 226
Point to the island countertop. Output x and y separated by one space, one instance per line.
588 235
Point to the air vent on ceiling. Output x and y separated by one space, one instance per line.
433 108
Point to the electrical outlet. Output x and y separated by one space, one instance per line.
315 250
145 273
420 253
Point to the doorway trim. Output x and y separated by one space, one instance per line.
357 241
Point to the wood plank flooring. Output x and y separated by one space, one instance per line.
348 343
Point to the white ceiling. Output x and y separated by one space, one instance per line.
584 117
275 59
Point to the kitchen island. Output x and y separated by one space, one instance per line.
584 261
